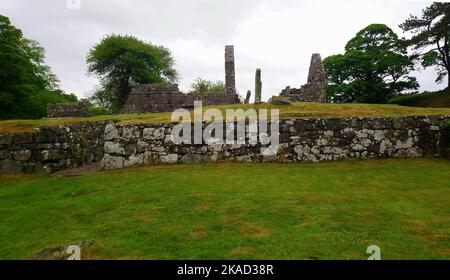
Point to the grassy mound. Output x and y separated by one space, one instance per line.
235 211
439 99
295 110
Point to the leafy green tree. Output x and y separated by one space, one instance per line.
121 62
27 85
431 38
203 86
373 68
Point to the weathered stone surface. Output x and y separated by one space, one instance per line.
314 90
49 149
67 110
6 139
301 140
281 101
10 166
111 132
5 154
60 252
130 133
114 148
112 162
230 82
134 161
169 159
22 155
192 158
23 138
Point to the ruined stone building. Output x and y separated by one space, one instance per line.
151 98
67 110
314 89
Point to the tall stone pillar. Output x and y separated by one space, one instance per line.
258 86
230 82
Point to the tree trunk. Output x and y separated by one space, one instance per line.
124 88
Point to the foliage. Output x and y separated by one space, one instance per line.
27 85
121 62
203 86
373 68
431 38
235 211
94 109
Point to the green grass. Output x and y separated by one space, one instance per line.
295 110
235 211
439 99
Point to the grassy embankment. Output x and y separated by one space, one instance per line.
295 110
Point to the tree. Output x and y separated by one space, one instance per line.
431 38
121 62
203 86
374 68
27 85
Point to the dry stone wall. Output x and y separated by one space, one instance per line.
51 149
301 140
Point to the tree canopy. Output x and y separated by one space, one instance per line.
124 61
203 86
27 84
373 68
431 38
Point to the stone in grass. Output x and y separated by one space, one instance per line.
280 101
61 252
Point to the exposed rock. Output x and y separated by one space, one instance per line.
114 148
111 132
63 252
169 159
22 155
192 158
134 160
280 101
112 162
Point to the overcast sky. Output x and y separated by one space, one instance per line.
276 36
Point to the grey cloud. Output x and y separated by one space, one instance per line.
277 36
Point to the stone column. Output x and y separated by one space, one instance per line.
230 83
247 98
258 86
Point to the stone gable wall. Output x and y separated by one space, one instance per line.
315 88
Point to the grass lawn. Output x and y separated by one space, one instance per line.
438 99
295 110
235 211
